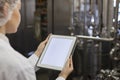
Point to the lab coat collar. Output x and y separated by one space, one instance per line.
4 37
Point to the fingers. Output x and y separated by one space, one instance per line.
45 41
71 63
42 46
68 68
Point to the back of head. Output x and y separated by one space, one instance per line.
7 5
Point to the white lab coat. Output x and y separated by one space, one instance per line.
13 65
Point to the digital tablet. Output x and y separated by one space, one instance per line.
56 52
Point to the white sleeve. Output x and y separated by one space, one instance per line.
33 60
60 78
14 72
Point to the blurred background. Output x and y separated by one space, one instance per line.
96 23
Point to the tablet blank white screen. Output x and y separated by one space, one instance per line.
57 52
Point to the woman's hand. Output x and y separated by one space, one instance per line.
41 46
68 68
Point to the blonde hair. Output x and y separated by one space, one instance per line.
12 4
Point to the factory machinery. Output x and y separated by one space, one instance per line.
96 22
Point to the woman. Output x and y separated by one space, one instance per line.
14 66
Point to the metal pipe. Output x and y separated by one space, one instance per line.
94 38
